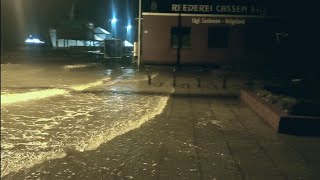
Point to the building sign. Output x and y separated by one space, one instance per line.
217 9
239 7
231 21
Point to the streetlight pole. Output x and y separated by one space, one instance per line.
114 26
139 34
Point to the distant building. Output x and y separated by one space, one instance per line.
75 33
79 36
209 32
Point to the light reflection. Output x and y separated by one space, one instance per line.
114 20
129 28
35 95
33 41
13 98
73 124
86 86
127 44
109 72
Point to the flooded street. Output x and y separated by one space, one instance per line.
48 111
91 121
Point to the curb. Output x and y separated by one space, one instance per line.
280 121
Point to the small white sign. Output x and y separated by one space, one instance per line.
232 21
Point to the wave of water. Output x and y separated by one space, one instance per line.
40 94
49 124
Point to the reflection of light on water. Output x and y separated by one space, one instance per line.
123 128
26 160
109 72
77 66
93 131
13 98
74 123
7 146
127 70
86 86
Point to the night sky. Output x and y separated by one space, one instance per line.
22 17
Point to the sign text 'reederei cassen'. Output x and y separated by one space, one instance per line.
244 7
218 9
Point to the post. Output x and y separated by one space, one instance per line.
139 34
174 77
250 81
149 72
224 81
199 82
179 40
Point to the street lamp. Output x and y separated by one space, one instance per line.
139 34
114 20
113 26
128 28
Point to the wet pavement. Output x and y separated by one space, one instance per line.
203 133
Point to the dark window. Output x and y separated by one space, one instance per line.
218 37
260 38
185 37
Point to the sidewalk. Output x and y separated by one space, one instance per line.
203 133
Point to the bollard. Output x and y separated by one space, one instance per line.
224 82
174 77
150 76
250 82
149 72
199 82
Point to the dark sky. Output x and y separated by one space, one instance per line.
22 17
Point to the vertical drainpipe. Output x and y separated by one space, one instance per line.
179 40
139 34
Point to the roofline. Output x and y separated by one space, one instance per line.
207 15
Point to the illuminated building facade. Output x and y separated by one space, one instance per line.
210 31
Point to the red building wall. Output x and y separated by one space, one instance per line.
156 34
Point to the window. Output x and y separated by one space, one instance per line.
259 38
185 37
218 37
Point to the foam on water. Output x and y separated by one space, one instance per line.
71 122
40 94
91 140
96 141
14 98
22 160
79 66
89 85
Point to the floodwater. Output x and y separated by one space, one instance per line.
50 109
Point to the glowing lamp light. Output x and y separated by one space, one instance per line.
114 20
32 40
127 44
129 27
